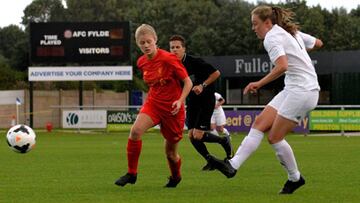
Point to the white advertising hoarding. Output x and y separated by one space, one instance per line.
81 73
84 119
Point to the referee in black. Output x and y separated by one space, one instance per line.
201 100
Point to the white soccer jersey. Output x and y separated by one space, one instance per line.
217 98
300 74
218 117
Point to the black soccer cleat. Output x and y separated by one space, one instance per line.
223 166
226 144
208 167
173 182
291 186
127 178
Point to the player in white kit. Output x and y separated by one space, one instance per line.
218 118
287 48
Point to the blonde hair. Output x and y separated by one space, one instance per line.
145 29
280 16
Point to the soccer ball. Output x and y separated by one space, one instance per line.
21 138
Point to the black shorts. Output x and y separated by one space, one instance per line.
199 112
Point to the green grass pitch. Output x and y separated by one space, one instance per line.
82 167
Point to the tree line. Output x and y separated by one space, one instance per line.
211 28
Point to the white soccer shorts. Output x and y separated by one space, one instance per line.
218 117
294 105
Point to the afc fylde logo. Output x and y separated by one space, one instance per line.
91 33
116 33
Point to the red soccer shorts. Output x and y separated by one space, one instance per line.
171 126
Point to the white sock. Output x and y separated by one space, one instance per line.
214 132
249 144
286 157
225 131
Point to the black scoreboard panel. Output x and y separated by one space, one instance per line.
62 42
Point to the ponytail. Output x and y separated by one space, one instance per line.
280 16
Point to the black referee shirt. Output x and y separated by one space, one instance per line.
199 71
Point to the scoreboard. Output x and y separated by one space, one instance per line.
80 42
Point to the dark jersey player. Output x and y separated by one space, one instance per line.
201 100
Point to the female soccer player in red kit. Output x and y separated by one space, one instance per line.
163 73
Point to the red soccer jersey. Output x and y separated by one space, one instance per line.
163 74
